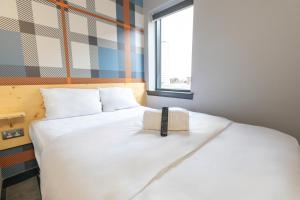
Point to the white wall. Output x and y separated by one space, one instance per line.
246 61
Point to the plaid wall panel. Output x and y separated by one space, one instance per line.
34 44
31 39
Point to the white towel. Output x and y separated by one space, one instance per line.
178 119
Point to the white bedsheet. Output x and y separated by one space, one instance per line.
110 157
243 163
44 132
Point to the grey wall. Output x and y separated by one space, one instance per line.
246 61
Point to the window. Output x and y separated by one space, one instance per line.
174 37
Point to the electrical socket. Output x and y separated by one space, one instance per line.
9 134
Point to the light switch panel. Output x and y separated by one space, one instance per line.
9 134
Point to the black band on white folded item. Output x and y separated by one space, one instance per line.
164 122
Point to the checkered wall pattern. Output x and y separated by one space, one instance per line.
14 169
87 40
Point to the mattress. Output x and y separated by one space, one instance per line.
114 158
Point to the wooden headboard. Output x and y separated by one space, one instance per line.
27 98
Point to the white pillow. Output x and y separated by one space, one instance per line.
64 102
117 98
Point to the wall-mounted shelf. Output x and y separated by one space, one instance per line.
10 116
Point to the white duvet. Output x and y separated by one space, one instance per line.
216 159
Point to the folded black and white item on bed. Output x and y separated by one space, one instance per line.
178 119
164 121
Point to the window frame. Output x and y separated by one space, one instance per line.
157 17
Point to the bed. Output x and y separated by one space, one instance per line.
109 156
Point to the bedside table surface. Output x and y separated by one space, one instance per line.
12 115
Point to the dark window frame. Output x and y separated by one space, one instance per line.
177 7
175 93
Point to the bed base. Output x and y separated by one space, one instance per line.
34 172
